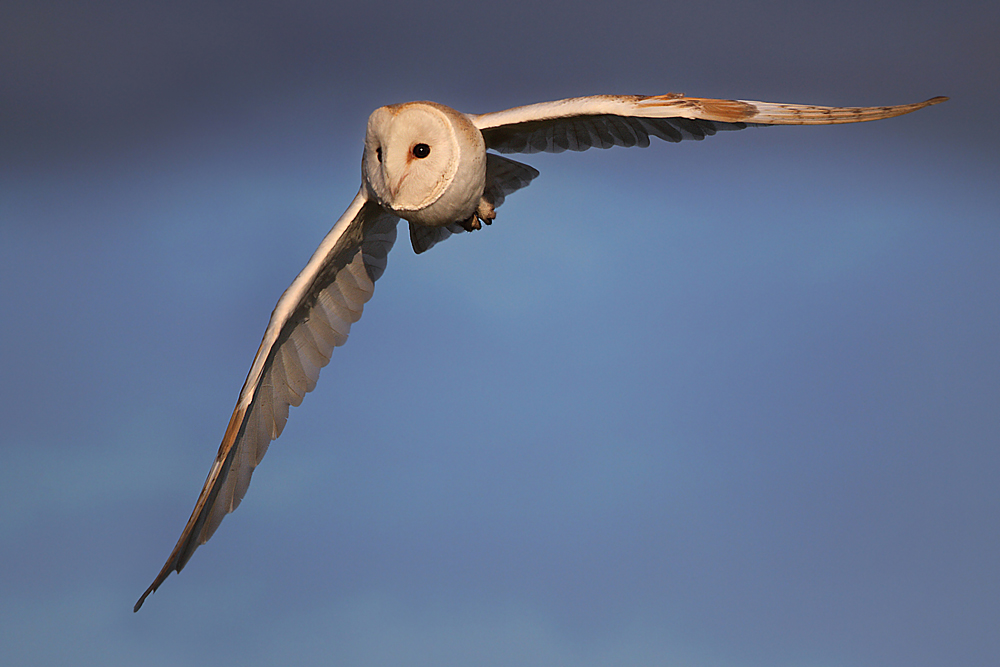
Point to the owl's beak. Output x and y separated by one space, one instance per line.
394 186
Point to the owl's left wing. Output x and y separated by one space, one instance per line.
313 316
603 121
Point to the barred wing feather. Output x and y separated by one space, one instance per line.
602 121
313 316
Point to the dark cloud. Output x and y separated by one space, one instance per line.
105 74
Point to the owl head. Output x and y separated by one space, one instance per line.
424 162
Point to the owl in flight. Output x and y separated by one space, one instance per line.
428 164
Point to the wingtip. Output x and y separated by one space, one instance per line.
937 100
138 605
164 573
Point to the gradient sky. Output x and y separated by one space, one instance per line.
732 402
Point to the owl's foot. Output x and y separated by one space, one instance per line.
483 215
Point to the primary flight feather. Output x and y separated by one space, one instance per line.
428 164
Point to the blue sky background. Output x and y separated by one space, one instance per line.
731 402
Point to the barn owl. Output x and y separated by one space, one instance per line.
429 165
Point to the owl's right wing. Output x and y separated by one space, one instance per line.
602 121
313 316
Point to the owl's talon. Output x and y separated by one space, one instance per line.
485 211
484 215
471 224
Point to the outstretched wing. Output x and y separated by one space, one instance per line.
603 121
313 316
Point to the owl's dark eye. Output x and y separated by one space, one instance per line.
421 150
378 153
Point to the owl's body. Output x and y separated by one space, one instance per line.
429 164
